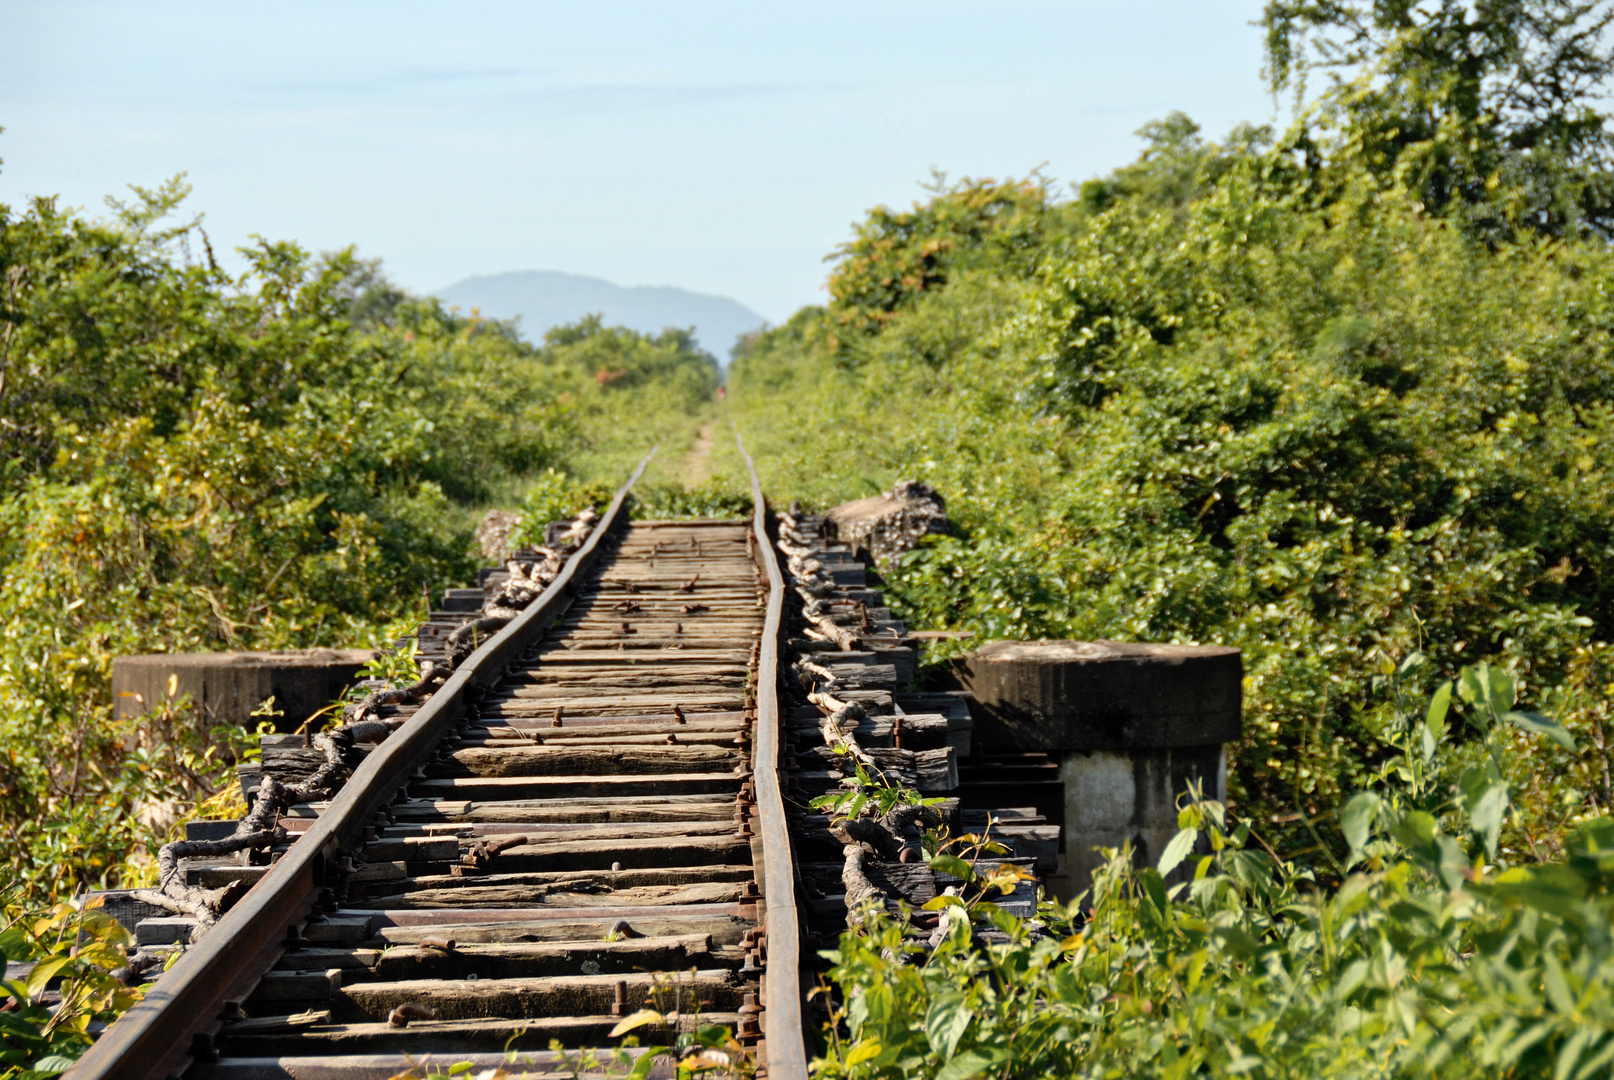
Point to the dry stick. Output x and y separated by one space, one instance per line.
203 905
858 886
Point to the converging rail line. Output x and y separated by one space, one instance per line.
578 814
582 822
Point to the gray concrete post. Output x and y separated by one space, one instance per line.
227 687
1130 725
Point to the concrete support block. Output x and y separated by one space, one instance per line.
227 687
1115 796
1131 726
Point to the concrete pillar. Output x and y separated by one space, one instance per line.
1131 725
227 687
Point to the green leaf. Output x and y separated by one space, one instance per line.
1542 725
1556 986
14 943
1180 847
967 1064
1251 869
637 1020
1418 829
646 1063
1439 705
1238 939
1356 820
1486 800
952 864
1569 1053
53 1064
1552 888
865 1050
1501 697
1155 887
946 1021
44 971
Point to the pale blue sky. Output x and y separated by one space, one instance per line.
722 147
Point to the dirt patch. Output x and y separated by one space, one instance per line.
696 470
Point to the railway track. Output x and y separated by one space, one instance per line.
582 822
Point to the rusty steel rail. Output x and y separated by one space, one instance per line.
783 988
153 1039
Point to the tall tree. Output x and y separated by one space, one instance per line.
1486 108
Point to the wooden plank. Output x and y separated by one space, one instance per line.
499 896
385 1066
556 830
723 930
485 788
448 1041
549 760
508 960
383 918
499 998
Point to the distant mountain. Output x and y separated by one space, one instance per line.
546 298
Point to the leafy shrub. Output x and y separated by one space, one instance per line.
194 462
712 499
554 496
1427 960
898 255
75 951
1311 435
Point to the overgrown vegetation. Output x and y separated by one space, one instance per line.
1327 394
1331 394
1259 393
1427 960
75 951
193 461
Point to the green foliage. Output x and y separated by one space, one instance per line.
1311 434
74 951
554 496
621 360
191 461
1330 396
867 786
1223 960
899 255
712 499
1486 112
1175 168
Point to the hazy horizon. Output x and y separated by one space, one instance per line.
541 299
715 147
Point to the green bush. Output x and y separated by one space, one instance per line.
190 461
288 458
712 499
1309 434
1428 960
